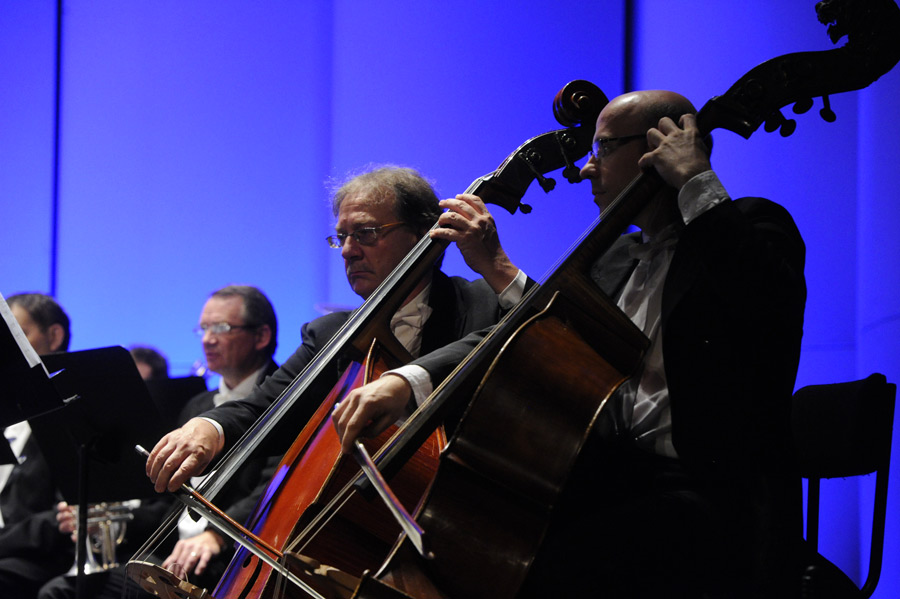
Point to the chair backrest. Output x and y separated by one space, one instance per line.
841 430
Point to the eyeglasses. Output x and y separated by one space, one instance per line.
220 328
603 147
363 236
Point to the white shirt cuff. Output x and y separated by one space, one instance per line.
510 296
699 194
219 430
418 378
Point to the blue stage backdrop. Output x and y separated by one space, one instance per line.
197 141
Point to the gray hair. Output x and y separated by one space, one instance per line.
414 199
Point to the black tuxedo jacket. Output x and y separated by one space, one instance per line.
30 544
732 320
30 488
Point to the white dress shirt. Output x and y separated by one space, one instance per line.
16 435
641 405
417 377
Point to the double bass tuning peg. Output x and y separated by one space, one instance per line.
547 184
777 121
802 106
826 112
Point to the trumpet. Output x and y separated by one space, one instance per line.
107 524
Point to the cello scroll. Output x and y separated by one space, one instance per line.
576 106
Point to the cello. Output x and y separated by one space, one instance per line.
357 338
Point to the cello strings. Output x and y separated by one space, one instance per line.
325 515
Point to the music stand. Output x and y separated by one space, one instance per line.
89 443
26 388
171 395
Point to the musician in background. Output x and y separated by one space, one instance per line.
150 362
26 488
381 214
238 329
34 549
686 488
28 494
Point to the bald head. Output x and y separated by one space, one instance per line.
642 110
621 143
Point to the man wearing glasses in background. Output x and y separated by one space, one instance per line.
238 329
381 215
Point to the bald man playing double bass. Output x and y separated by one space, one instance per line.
686 487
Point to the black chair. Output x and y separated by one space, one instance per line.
843 430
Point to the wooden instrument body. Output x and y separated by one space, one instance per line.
310 476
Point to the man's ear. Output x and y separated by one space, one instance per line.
263 337
56 334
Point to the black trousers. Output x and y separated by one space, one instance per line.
631 524
32 551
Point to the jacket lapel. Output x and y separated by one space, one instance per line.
438 330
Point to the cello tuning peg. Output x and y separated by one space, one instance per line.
567 143
531 158
826 112
547 184
802 106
